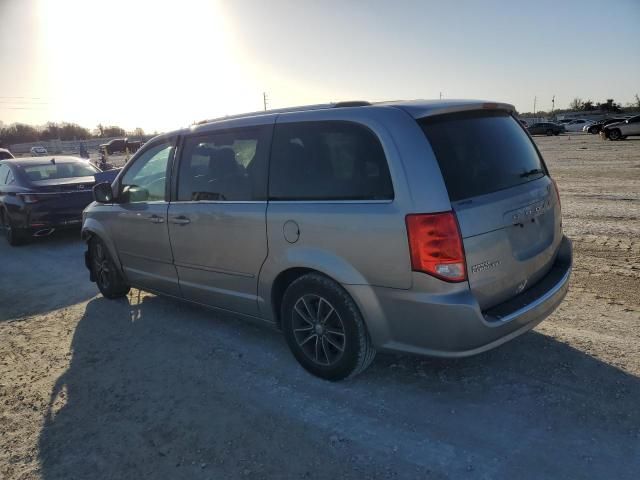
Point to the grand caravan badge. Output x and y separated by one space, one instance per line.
486 265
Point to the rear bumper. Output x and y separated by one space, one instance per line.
449 323
38 217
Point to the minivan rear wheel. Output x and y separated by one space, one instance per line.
549 132
108 279
324 328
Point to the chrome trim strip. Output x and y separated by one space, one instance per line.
214 270
152 259
538 301
197 202
221 291
329 201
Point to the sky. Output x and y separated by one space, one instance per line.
161 65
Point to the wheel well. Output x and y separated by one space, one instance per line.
280 285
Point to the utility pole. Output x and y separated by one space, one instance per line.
440 95
553 104
264 100
534 105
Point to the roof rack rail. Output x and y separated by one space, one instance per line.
351 103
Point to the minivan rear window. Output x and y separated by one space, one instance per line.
481 152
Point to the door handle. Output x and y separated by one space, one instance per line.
181 220
156 219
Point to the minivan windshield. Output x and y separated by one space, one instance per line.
481 152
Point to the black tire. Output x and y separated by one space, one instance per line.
105 272
556 133
341 315
15 236
549 132
614 134
593 130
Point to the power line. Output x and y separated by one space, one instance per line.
22 108
22 102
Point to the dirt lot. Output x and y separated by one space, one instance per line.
152 388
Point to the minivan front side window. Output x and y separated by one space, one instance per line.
225 166
328 160
145 180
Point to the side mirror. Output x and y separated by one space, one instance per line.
102 193
133 194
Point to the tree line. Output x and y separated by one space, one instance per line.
610 106
23 133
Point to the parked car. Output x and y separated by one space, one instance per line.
545 128
577 125
425 227
5 154
39 196
120 145
596 127
621 130
564 121
38 151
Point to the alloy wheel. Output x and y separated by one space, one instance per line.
318 329
102 268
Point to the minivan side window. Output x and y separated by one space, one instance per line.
228 165
328 160
146 179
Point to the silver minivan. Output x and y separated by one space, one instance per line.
429 227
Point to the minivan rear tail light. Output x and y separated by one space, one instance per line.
435 245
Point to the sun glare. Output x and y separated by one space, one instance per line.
142 63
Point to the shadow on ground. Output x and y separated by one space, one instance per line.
34 275
159 389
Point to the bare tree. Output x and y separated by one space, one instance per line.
576 104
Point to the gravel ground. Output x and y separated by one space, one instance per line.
148 387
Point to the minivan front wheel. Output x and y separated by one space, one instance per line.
105 272
324 328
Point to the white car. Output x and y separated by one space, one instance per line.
577 125
616 131
38 151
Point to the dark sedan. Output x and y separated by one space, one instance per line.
598 126
39 195
545 128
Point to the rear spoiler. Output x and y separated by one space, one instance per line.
431 109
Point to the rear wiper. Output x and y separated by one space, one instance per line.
532 172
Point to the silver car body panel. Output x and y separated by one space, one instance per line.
231 254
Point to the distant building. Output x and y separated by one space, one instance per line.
589 115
